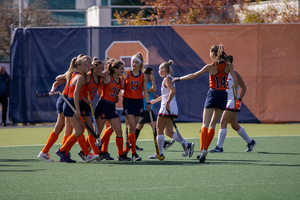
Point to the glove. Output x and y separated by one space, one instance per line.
238 104
176 80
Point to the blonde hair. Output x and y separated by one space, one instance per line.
107 61
168 67
140 57
73 66
218 51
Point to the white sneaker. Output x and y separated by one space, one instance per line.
45 157
153 157
90 157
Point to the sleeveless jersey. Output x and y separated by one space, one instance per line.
219 80
229 90
66 89
133 86
91 87
165 95
72 87
110 91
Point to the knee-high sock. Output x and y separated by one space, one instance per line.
64 139
244 135
221 137
211 134
119 143
82 144
160 142
105 139
137 133
176 138
132 142
92 140
203 138
72 139
51 140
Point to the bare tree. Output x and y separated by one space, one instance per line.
34 15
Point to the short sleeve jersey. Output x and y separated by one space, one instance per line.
133 85
219 80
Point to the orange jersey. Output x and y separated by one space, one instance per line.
133 86
110 91
72 87
219 80
66 89
91 87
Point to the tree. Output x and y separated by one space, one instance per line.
32 16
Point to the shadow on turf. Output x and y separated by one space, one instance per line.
19 160
278 153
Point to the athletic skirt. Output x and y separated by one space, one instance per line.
145 118
68 112
230 106
216 99
85 109
132 106
59 104
106 110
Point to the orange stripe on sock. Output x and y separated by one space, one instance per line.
211 134
203 138
72 139
82 144
119 143
92 140
51 140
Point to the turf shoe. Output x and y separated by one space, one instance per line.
153 156
123 157
190 148
90 157
81 154
168 144
64 156
45 157
139 149
202 155
105 156
216 150
135 157
250 146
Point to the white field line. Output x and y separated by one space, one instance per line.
166 139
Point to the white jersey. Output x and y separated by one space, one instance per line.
173 104
230 97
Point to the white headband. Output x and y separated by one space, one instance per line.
135 58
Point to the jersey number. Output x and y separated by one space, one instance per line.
134 85
115 92
221 82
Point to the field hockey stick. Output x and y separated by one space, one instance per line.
155 141
81 119
186 153
126 131
46 94
98 143
234 95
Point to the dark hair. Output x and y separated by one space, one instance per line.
97 61
115 65
148 70
107 61
230 59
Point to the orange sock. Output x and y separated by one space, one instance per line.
203 138
105 139
51 140
126 150
72 139
119 143
64 139
211 134
82 144
92 140
132 140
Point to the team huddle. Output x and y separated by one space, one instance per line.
86 77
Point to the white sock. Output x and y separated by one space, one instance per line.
176 138
160 141
244 135
221 137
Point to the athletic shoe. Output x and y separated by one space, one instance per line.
61 160
123 157
202 156
153 157
105 156
168 144
135 157
216 150
90 157
81 154
64 156
250 146
45 157
190 148
139 149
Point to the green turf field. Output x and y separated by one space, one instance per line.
271 171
